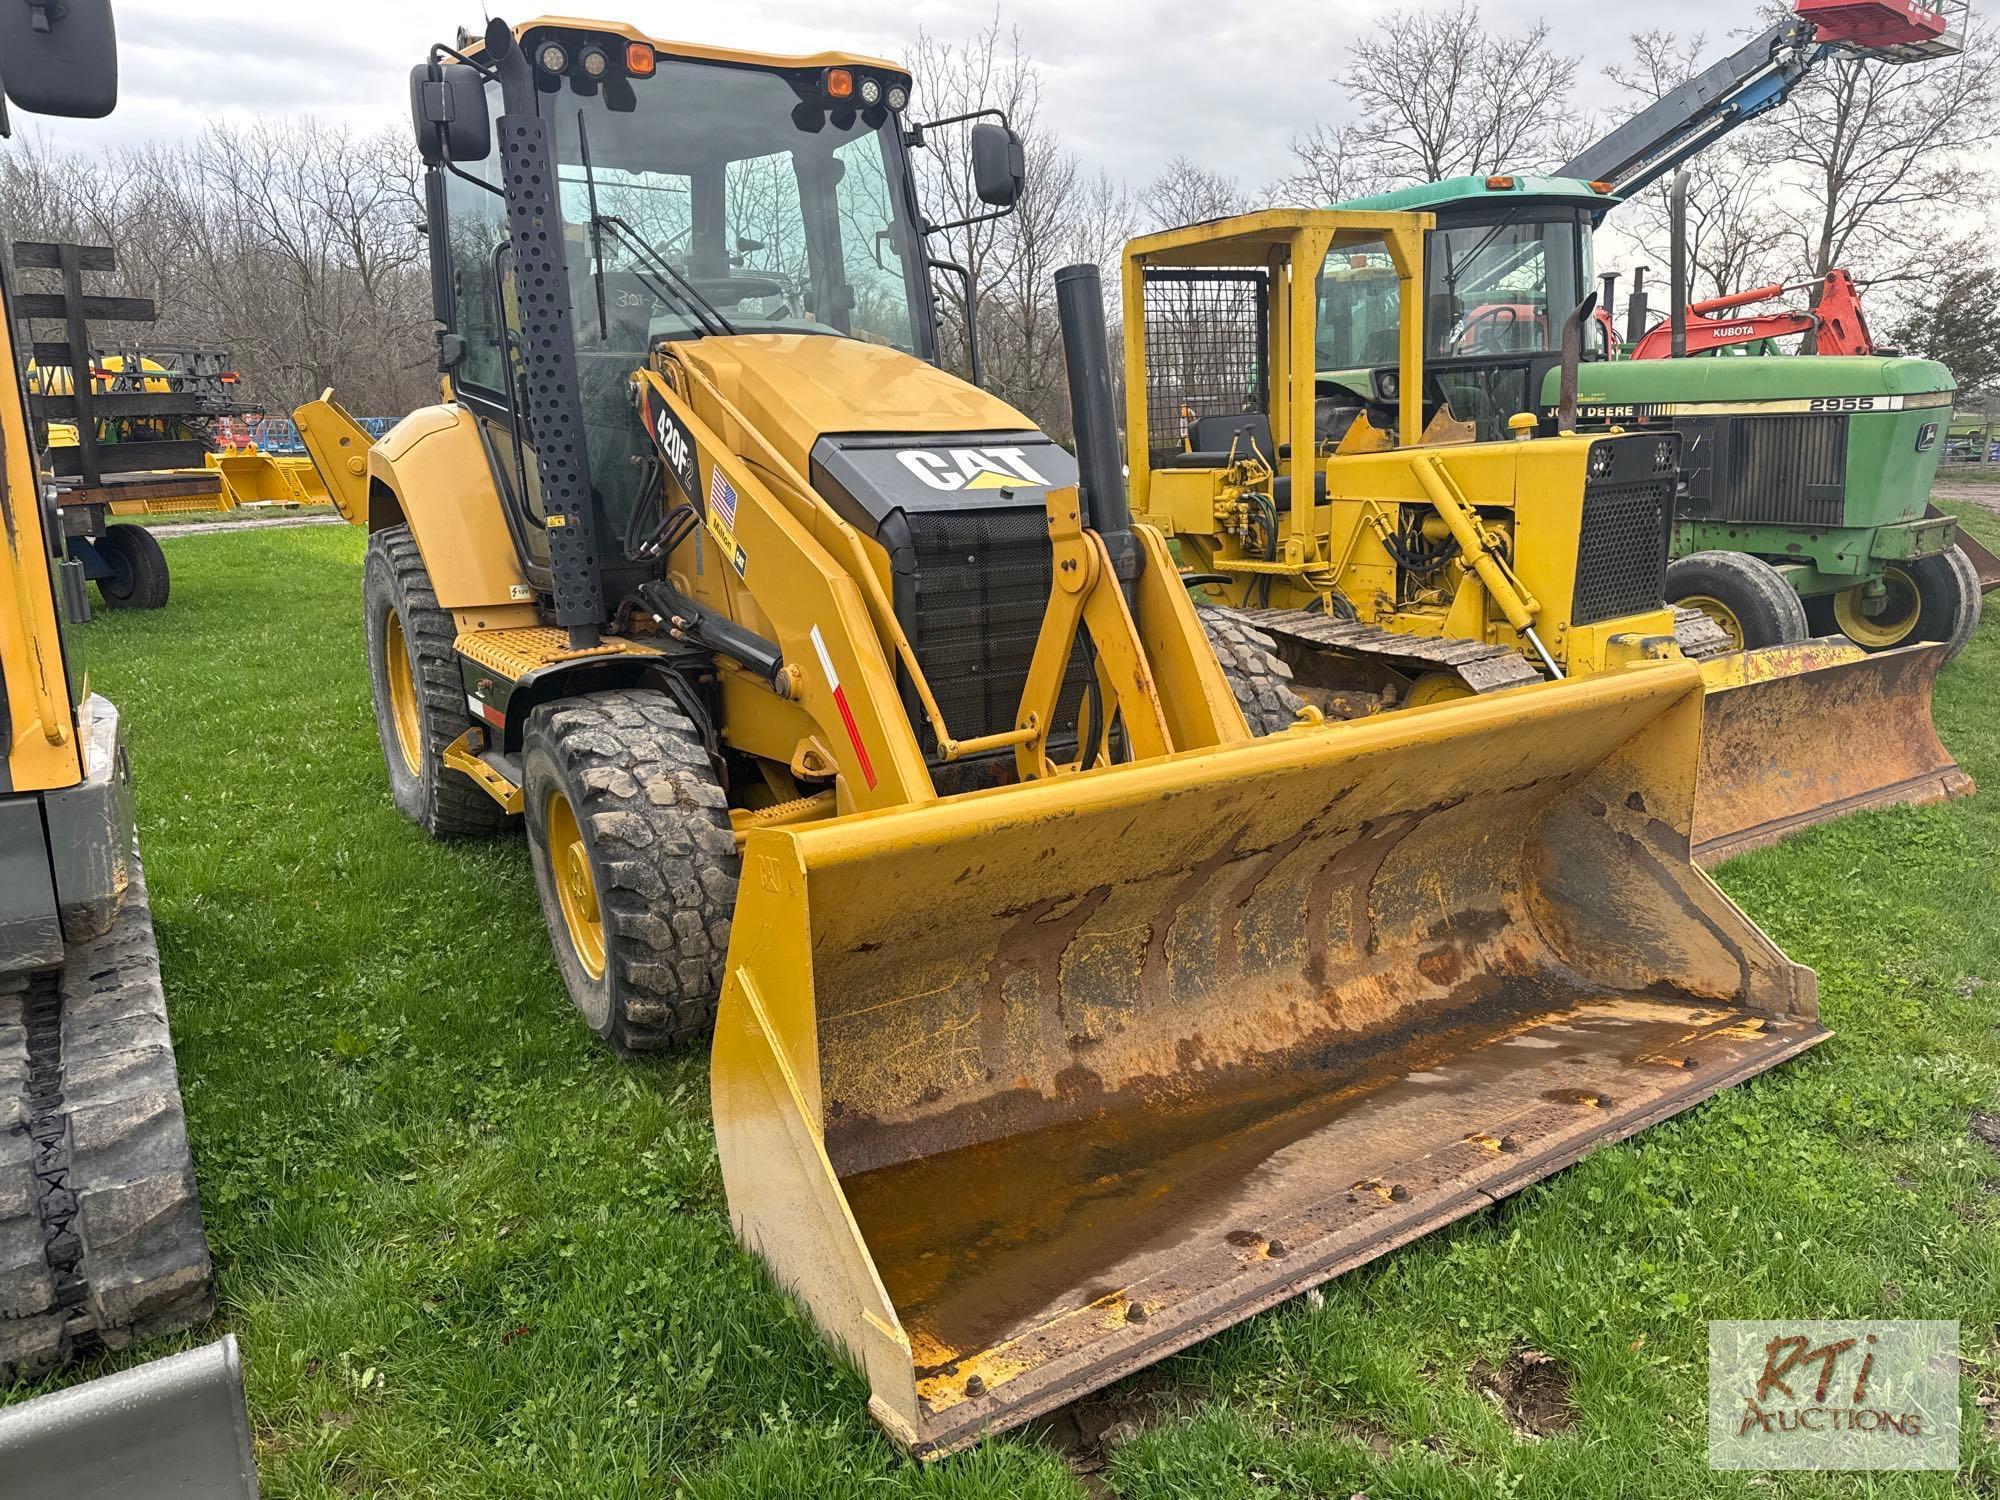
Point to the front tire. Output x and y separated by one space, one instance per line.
635 863
138 577
1934 598
1744 595
419 692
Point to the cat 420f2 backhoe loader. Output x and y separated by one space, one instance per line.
1443 566
1061 1020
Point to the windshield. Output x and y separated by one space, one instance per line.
1359 314
1503 288
781 218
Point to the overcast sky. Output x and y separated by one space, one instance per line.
1129 83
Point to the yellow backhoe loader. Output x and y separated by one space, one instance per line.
1439 568
1058 1019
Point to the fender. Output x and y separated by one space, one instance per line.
430 471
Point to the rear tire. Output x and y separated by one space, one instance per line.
1745 595
419 692
1935 598
1257 675
138 578
635 863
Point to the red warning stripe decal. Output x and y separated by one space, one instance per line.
846 713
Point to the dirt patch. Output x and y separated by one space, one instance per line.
1086 1432
1984 1128
1532 1391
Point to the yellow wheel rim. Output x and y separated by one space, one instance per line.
1436 687
1719 612
1892 625
576 887
403 710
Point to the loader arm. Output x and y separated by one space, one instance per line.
339 447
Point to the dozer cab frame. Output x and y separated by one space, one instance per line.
1430 565
1057 1019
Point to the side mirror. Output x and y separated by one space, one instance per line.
60 59
449 113
998 164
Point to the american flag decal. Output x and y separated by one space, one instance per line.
721 497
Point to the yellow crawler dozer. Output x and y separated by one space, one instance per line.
1058 1019
1278 355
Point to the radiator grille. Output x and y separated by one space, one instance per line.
1789 469
983 580
1204 350
1621 558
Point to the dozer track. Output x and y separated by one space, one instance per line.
1483 668
101 1241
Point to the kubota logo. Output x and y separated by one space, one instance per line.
970 468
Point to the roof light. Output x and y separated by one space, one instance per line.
839 83
639 60
1602 187
1500 184
553 57
898 96
596 62
871 91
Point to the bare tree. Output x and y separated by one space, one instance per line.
1187 193
1327 168
1438 95
1869 162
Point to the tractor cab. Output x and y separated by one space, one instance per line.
1508 262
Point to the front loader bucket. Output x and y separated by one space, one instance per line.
1023 1090
1984 563
1795 735
262 479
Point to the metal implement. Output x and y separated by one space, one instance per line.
1794 735
174 1428
1204 1037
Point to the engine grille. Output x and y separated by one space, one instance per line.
1621 558
1790 470
983 579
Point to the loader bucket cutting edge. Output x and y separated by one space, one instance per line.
1796 735
1023 1090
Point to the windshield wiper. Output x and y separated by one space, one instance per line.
596 235
682 290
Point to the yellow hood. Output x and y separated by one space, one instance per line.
796 388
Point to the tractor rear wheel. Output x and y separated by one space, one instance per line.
138 576
635 863
1934 598
1745 595
419 692
1257 675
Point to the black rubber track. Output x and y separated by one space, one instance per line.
445 803
656 823
101 1242
1257 675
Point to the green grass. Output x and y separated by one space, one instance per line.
469 1254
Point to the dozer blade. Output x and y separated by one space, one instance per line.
1023 1090
1795 735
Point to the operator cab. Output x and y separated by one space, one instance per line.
1501 275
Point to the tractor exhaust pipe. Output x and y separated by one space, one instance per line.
1637 306
1093 416
1677 234
1572 357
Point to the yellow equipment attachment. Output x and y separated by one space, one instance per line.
1794 735
1437 566
1211 1029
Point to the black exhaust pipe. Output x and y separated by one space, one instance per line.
1677 235
1637 306
1093 414
1572 357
